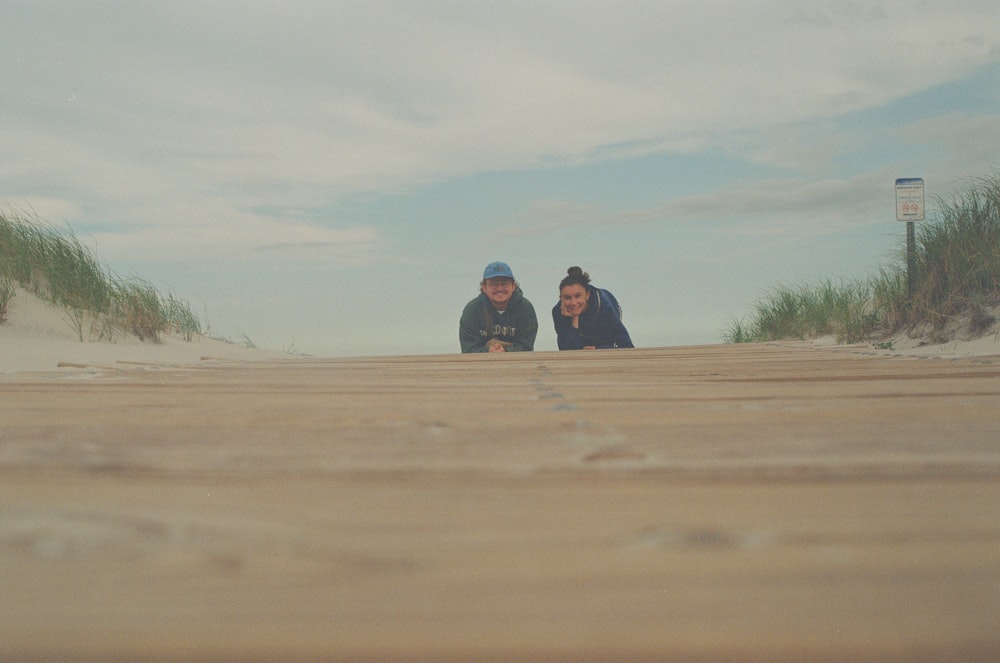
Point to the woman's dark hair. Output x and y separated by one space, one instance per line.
575 275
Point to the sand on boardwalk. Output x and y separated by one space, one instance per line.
781 502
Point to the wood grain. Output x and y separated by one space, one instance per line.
720 503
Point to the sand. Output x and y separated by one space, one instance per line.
39 336
781 502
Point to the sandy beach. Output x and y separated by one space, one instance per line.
783 502
39 337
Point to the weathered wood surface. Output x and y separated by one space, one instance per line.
753 502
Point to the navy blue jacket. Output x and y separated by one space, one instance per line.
600 325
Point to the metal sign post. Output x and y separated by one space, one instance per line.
910 208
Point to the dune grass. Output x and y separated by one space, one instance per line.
6 294
98 304
956 273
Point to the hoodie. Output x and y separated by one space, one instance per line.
480 323
600 325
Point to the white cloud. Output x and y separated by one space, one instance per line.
40 209
765 207
359 96
967 142
242 241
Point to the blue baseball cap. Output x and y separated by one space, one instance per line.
498 270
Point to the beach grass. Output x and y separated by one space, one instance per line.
6 294
98 304
955 272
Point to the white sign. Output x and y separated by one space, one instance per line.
910 199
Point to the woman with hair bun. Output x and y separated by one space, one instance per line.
587 318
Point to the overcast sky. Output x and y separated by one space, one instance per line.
332 177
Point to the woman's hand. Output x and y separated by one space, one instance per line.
574 319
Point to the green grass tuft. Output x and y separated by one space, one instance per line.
55 266
6 294
957 272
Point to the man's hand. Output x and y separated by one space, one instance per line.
496 345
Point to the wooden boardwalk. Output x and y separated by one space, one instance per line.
773 502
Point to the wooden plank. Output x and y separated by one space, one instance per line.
758 502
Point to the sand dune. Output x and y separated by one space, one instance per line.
39 336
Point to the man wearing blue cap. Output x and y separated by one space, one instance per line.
500 319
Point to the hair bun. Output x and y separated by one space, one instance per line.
574 275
